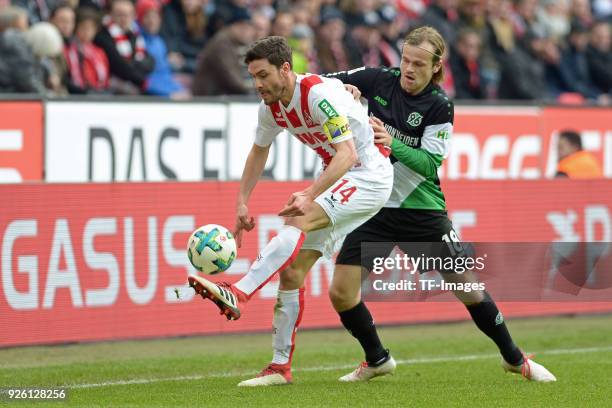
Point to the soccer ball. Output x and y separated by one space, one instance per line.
211 249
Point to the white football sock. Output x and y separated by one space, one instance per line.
280 252
287 316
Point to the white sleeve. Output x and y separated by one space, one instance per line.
267 129
328 109
436 139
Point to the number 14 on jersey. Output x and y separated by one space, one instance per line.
345 190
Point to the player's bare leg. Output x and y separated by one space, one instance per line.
287 316
490 321
345 294
280 252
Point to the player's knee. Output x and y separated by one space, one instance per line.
335 295
341 298
292 278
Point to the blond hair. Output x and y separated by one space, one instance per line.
429 34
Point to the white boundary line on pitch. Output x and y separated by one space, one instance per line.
423 360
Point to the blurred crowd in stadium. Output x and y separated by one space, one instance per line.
551 50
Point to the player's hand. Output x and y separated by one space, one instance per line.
243 222
297 205
381 136
353 90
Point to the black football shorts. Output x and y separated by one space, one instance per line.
415 232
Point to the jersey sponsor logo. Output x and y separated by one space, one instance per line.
311 139
381 101
442 134
327 109
412 141
336 127
414 119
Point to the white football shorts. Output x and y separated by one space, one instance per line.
351 201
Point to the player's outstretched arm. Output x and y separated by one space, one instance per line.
253 168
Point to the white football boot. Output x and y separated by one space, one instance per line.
274 374
365 373
224 295
530 370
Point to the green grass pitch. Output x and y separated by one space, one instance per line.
440 365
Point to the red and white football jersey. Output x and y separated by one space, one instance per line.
317 100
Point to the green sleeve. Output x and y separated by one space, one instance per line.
418 160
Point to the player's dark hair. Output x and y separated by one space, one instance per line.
572 137
274 49
429 34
